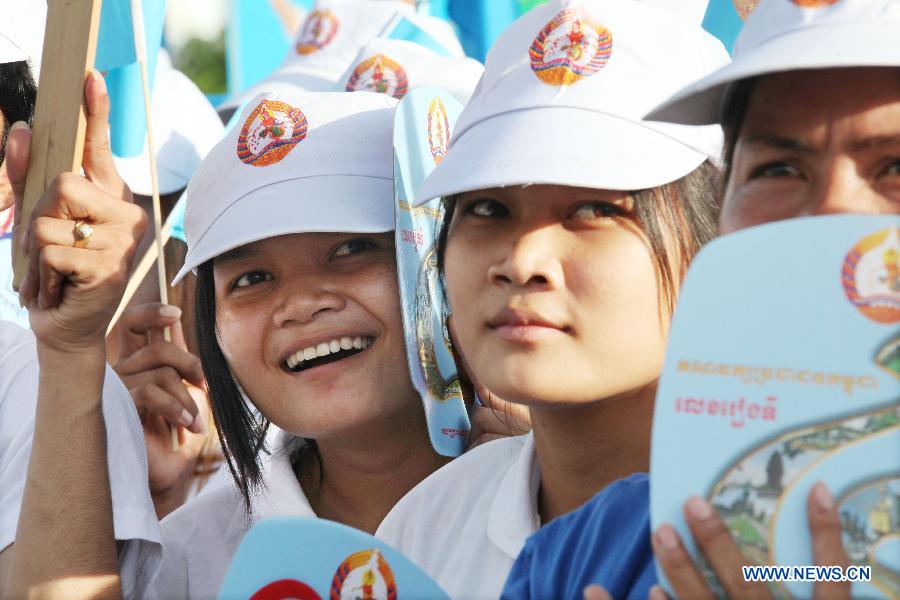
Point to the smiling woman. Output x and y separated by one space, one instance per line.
290 233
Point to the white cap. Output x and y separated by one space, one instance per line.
326 44
394 67
786 35
22 32
296 162
562 100
185 128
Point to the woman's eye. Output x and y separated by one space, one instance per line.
893 169
354 246
251 278
598 210
487 208
779 169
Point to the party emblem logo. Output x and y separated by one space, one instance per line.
379 74
6 222
569 48
814 3
871 276
319 29
364 575
745 7
438 130
270 133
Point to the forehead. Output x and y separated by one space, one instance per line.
860 101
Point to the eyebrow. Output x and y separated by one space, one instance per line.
238 253
876 142
775 141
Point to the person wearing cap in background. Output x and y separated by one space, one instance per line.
811 112
570 222
165 378
395 67
330 38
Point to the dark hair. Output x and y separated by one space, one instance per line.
18 92
686 209
241 427
242 430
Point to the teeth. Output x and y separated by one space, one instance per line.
326 348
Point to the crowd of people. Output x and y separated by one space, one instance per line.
604 143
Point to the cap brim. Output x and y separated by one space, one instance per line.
824 47
333 203
562 146
135 170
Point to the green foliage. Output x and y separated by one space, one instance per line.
204 62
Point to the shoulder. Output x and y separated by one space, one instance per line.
475 473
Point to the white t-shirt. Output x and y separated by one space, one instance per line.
201 537
467 522
134 517
9 299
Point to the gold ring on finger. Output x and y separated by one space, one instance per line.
83 232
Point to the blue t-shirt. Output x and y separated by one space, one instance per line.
606 541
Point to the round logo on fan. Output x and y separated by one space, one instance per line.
871 276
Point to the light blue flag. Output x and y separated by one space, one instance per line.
116 56
480 22
404 29
723 21
256 42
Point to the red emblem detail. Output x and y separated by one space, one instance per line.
569 48
286 589
871 276
438 130
317 32
364 575
270 132
379 74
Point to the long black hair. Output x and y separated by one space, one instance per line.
18 92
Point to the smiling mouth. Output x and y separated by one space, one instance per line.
326 353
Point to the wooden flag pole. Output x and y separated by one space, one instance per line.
60 115
140 48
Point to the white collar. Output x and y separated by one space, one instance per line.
280 494
513 512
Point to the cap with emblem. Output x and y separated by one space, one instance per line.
296 162
787 35
329 40
394 67
562 98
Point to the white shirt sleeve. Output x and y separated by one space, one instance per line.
134 517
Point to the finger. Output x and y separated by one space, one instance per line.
136 321
657 593
676 563
513 418
18 145
167 397
717 545
161 354
97 160
596 592
51 280
827 541
490 420
73 197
